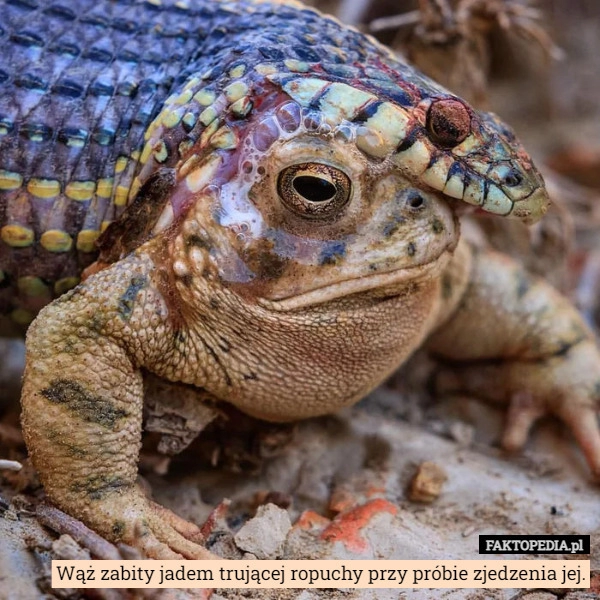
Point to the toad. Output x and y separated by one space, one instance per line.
276 226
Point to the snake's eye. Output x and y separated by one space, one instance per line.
448 122
314 190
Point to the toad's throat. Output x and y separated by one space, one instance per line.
390 283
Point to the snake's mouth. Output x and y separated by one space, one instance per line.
529 210
532 208
377 285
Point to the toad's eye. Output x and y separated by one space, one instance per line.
448 122
314 190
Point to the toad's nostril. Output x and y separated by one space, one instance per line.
415 200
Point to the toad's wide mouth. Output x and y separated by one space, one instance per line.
390 283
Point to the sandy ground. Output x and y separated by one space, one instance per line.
344 481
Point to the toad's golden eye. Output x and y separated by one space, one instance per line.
314 190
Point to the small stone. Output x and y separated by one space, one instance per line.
66 548
265 534
468 531
462 433
427 482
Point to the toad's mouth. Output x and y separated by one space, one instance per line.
390 283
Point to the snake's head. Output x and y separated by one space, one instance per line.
435 140
472 156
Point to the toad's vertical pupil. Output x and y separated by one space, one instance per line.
315 189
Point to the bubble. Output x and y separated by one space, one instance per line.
265 134
289 116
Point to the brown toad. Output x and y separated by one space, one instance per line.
290 299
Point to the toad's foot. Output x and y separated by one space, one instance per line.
526 346
154 530
564 386
572 394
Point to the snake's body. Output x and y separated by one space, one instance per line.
97 95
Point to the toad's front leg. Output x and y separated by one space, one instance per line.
82 408
524 344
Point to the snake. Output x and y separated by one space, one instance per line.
98 96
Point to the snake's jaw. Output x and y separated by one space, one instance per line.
506 188
531 209
509 192
495 200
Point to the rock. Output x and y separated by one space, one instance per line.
265 534
427 482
